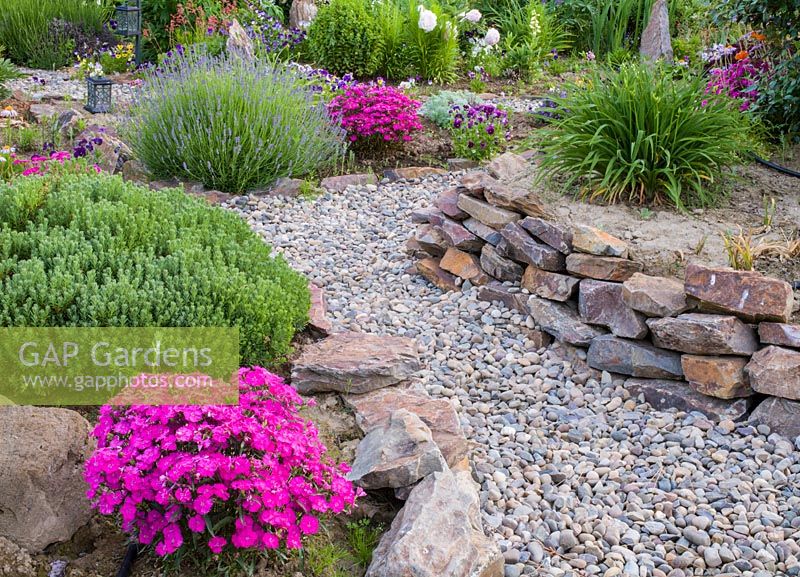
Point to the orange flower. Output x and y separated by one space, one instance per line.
758 36
741 55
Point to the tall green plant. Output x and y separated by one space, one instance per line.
530 33
433 54
391 22
643 136
43 33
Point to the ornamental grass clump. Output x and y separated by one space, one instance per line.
231 123
217 480
375 115
641 135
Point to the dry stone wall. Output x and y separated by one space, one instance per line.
718 341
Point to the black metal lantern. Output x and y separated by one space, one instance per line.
98 91
129 23
128 17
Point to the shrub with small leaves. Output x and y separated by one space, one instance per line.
439 107
345 37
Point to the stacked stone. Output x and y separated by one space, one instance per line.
692 345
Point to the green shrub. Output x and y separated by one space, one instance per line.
96 251
7 72
530 34
232 124
391 21
438 108
45 33
644 136
345 37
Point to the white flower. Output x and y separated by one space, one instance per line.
472 16
8 112
427 20
492 37
407 84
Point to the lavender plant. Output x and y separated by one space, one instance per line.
232 124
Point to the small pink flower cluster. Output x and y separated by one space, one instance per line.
171 471
39 164
738 80
375 111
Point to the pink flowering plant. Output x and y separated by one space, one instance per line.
217 480
57 162
375 114
738 80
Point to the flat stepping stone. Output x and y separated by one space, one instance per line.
351 362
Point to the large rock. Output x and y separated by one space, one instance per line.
42 491
749 295
633 358
302 13
780 415
775 371
447 202
664 394
549 285
600 303
456 235
424 215
355 363
497 293
721 377
508 166
498 266
524 248
341 183
373 409
655 296
701 334
562 322
15 561
475 183
590 240
318 314
430 239
430 270
482 231
398 453
464 265
779 334
656 42
557 236
239 42
438 533
602 267
514 198
489 215
412 173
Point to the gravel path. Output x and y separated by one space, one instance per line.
576 477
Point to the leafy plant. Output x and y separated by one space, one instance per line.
391 21
233 124
739 248
345 38
363 538
44 34
479 130
215 480
7 72
439 107
641 135
432 42
375 114
93 250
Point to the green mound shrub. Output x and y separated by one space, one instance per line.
641 135
346 37
232 124
46 33
96 251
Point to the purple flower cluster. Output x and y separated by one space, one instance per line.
370 112
84 146
270 33
323 82
479 130
249 476
738 80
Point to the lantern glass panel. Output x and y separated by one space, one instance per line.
98 95
127 18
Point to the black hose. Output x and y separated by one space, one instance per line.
796 285
126 567
777 167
